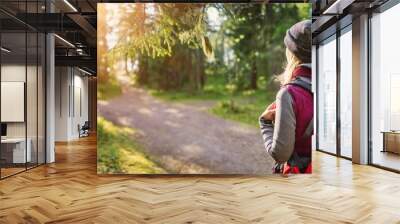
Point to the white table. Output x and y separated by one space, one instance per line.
19 155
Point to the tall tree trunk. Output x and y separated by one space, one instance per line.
253 75
192 71
143 71
202 74
126 64
102 58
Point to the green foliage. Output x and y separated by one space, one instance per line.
207 48
154 34
255 34
215 89
181 55
244 106
181 71
118 152
231 106
108 90
167 41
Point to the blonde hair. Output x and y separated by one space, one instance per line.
292 63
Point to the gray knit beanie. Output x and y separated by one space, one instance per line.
298 40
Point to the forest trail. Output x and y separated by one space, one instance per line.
185 138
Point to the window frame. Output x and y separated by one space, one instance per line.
342 27
27 29
378 10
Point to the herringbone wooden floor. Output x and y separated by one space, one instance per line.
69 191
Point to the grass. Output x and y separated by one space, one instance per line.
214 90
245 106
108 90
118 152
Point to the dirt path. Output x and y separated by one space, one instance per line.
185 138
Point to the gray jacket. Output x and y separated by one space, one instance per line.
279 138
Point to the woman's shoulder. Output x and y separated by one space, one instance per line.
283 93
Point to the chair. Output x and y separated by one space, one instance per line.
84 130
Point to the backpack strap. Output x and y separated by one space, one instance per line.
302 84
306 86
310 129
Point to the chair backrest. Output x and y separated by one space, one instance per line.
86 124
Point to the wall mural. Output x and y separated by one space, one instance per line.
181 86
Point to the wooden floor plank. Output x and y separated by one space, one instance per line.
70 191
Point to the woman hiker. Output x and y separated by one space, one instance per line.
287 124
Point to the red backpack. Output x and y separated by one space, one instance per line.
298 164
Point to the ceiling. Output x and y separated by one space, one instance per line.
332 15
73 22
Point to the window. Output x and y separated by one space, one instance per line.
327 96
22 88
345 92
15 150
385 88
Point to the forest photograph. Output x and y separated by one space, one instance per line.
181 86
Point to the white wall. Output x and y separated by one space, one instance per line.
13 73
80 109
71 94
62 81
